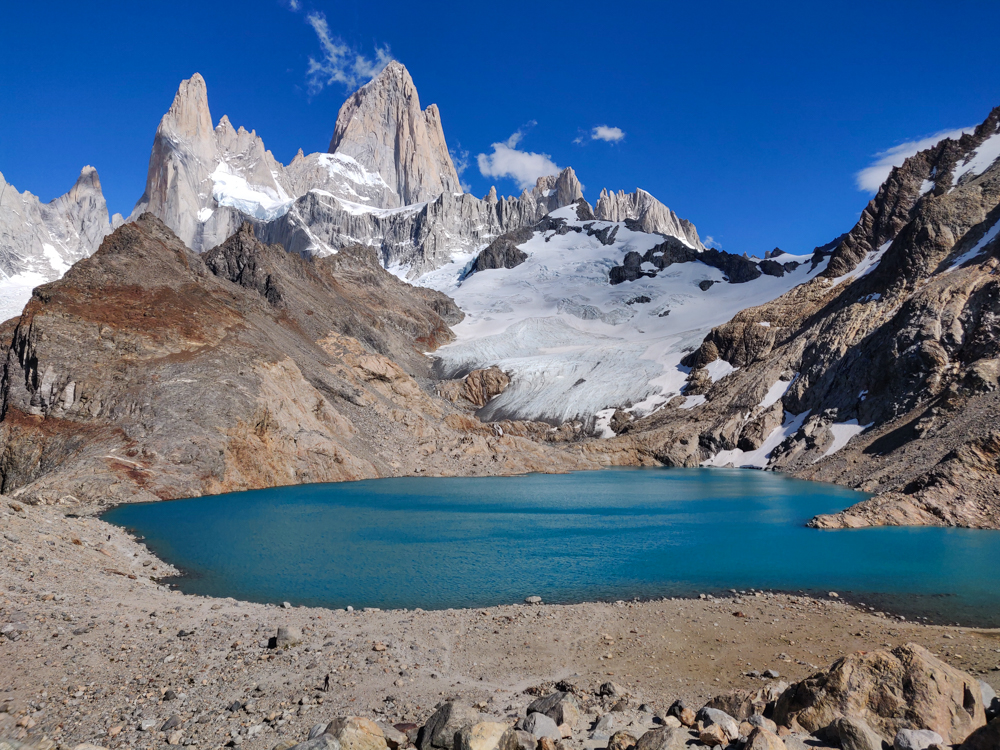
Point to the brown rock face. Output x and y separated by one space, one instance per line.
151 372
906 688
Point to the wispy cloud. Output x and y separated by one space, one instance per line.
294 5
339 63
870 178
524 167
710 241
460 158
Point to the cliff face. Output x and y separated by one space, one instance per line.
382 127
150 371
882 372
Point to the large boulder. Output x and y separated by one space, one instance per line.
916 739
441 727
984 738
906 688
486 735
714 717
541 726
761 739
561 707
855 734
666 738
355 733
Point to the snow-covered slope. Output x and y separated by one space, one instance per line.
576 344
40 241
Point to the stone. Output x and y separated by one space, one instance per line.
713 735
605 727
317 730
287 637
170 695
673 722
621 740
486 735
525 740
916 739
285 745
171 723
611 689
991 702
148 725
323 742
771 674
87 746
762 739
665 738
541 726
715 717
906 688
395 738
440 729
546 743
759 720
532 600
684 714
984 738
855 734
355 733
174 738
561 707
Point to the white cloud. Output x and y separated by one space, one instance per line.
710 241
524 167
340 64
870 178
294 5
606 133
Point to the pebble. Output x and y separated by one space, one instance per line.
533 600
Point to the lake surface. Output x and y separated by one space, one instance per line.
600 535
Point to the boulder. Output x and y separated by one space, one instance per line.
440 729
323 742
990 701
355 733
287 637
621 740
685 715
762 739
541 726
486 735
739 704
758 720
525 740
714 717
666 738
916 739
561 707
855 734
906 688
984 738
611 689
713 735
394 737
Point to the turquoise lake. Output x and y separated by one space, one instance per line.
603 535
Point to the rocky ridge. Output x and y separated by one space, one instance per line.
150 371
39 241
891 351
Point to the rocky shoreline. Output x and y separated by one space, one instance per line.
95 649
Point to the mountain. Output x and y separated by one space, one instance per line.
881 371
382 127
648 214
204 182
149 371
586 315
39 241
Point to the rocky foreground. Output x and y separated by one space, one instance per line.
93 649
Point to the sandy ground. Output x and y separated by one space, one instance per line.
91 644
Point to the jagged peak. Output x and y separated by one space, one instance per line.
189 114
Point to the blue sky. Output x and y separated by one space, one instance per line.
752 120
